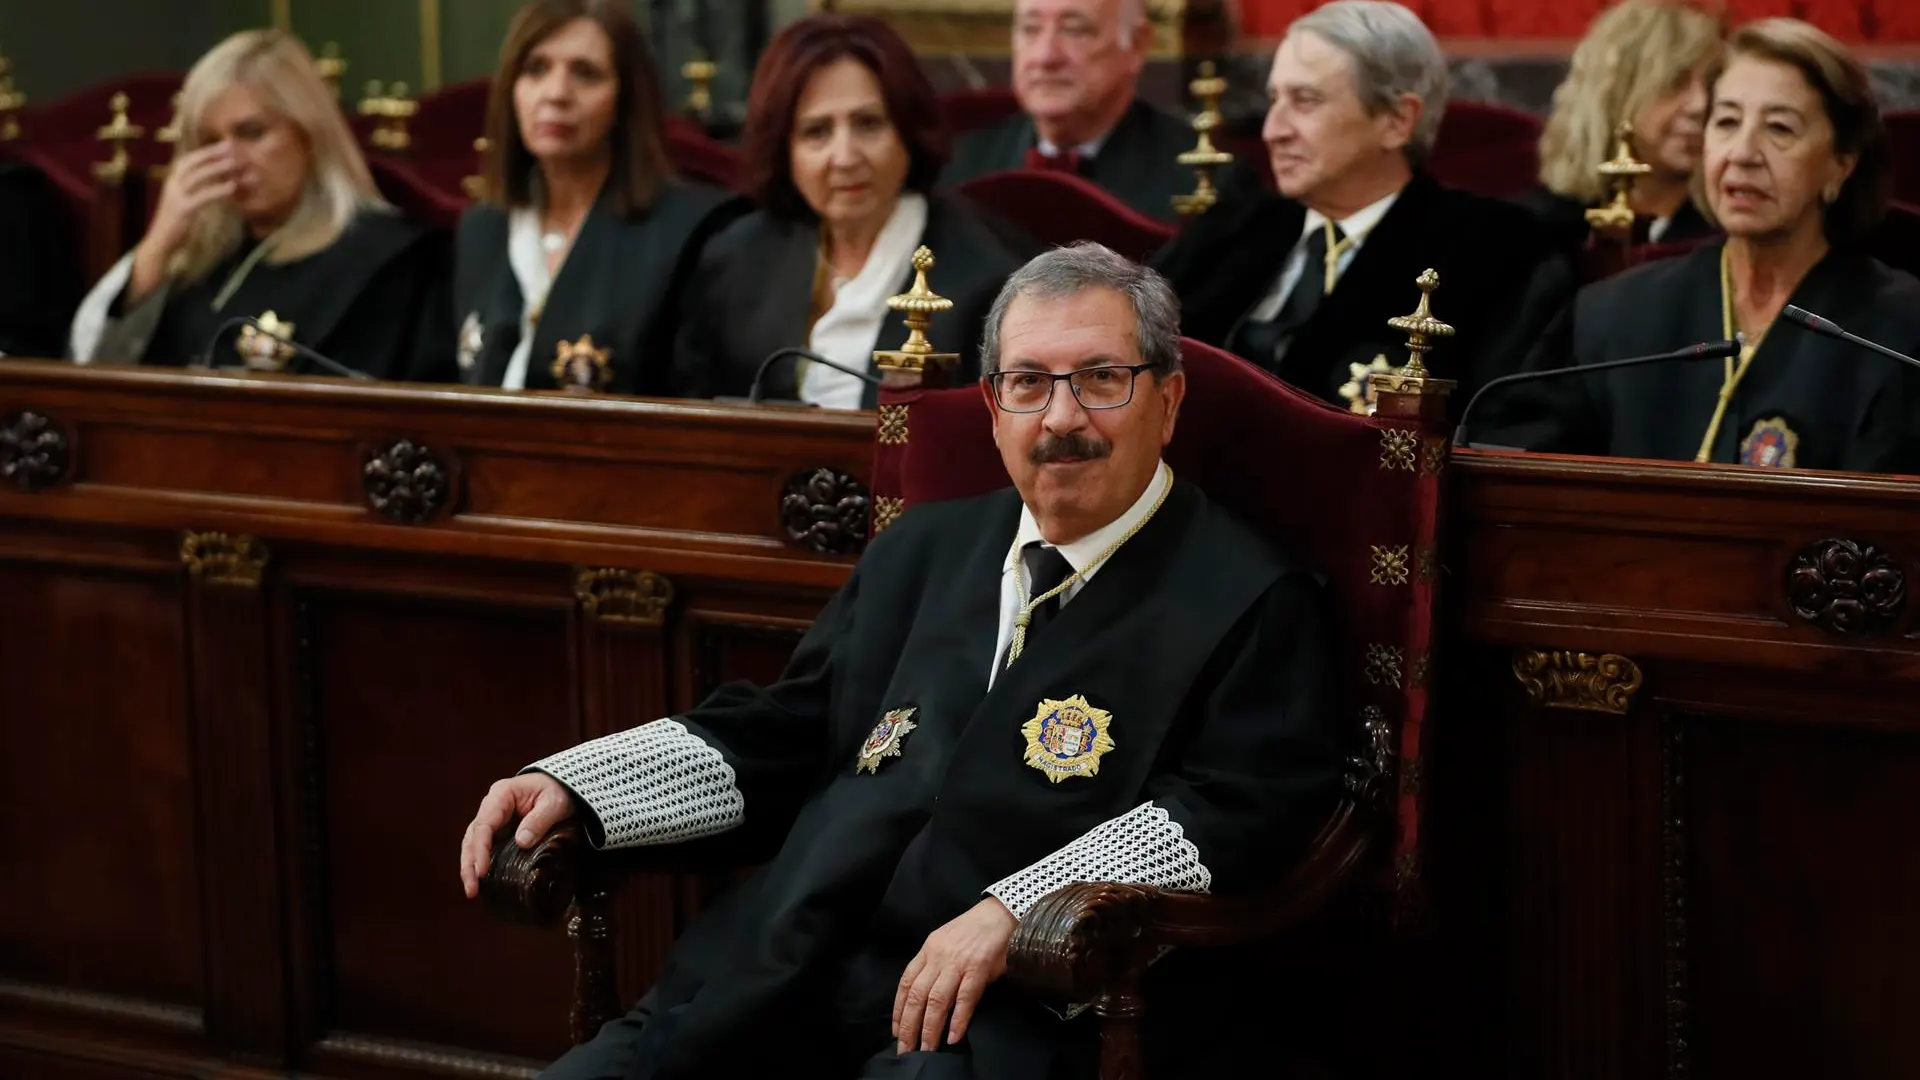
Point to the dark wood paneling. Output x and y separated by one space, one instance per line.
1803 938
419 706
97 785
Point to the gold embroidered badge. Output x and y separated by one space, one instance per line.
884 740
1771 443
579 365
264 347
1067 738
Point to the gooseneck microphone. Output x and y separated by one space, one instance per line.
1705 350
325 363
1802 317
760 376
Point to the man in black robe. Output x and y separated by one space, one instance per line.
1806 402
1096 676
1076 65
39 265
1303 282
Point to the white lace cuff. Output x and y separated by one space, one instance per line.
655 784
1140 847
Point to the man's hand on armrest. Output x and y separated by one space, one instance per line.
538 800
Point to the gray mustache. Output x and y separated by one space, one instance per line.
1073 446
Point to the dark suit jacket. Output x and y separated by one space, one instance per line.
1500 284
1138 163
39 265
753 294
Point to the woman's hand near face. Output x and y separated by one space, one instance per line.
198 178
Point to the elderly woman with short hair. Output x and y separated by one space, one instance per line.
1796 171
844 143
1302 283
269 210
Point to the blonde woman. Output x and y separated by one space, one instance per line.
1642 62
269 209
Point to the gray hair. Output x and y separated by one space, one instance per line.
1070 271
1393 54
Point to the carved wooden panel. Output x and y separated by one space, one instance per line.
35 451
99 891
419 705
726 649
1847 587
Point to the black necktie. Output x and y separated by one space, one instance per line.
1264 342
1046 569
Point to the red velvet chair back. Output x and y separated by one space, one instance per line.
449 119
1059 208
413 194
698 156
1487 149
971 110
1356 497
1903 138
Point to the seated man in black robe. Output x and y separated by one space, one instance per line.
1096 676
39 265
1303 283
1076 65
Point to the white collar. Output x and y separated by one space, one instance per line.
1357 224
1081 553
1087 150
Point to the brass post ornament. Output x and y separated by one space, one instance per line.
11 102
390 110
118 132
330 67
167 136
700 74
476 185
910 362
1204 158
1616 218
1362 392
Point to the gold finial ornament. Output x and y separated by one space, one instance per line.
476 185
167 136
11 102
910 362
1204 158
1619 172
701 74
119 132
1412 391
330 67
390 111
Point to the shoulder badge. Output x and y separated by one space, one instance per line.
884 740
1067 738
579 365
1771 443
473 340
1358 390
264 347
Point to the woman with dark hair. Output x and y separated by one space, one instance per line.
1796 171
843 144
566 276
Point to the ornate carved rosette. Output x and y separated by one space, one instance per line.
827 511
1562 679
224 559
406 481
33 451
1847 587
627 597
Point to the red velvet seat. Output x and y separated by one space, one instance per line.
698 156
971 110
414 194
1359 499
1488 149
1058 208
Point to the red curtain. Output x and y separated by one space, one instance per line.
1884 21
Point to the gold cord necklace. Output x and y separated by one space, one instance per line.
1749 345
1025 615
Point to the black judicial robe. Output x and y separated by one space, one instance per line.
1138 163
1500 284
622 283
1212 653
375 300
1835 405
753 294
1565 220
39 265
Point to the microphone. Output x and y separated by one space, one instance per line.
1705 350
760 376
1818 325
325 363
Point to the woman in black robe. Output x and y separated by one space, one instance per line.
844 143
570 275
268 212
1797 173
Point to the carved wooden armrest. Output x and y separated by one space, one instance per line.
1091 941
537 884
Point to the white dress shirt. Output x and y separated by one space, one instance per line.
1080 554
1355 226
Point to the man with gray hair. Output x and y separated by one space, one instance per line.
1094 675
1303 282
1076 67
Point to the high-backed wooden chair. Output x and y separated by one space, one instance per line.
1057 208
1488 149
1359 497
971 110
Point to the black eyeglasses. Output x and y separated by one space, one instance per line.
1105 387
